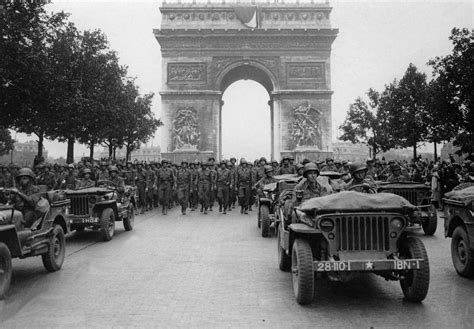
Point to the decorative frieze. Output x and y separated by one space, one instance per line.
186 72
305 72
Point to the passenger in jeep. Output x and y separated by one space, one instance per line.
26 196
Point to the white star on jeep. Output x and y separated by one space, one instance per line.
369 265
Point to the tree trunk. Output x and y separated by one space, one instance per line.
414 152
40 144
110 150
70 150
127 157
115 147
91 154
435 152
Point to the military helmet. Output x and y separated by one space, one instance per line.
184 162
310 167
356 167
87 171
395 167
70 166
243 161
263 159
300 166
113 168
267 168
229 164
25 172
369 160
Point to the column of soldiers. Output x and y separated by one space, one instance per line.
201 185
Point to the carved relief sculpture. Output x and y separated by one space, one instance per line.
305 130
186 72
186 133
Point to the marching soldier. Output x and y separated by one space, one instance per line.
223 185
193 195
141 180
165 181
244 185
286 168
183 185
205 186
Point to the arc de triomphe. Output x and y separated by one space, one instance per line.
284 47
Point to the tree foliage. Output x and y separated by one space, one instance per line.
367 124
405 103
454 80
65 84
6 141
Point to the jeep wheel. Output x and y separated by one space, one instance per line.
461 254
53 259
415 283
302 271
265 220
284 261
5 269
129 221
107 224
431 223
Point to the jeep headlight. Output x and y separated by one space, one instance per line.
3 219
326 225
397 223
92 199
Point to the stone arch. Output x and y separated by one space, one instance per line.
246 69
207 47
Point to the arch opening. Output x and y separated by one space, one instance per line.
246 120
245 71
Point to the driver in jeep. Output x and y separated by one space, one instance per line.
359 177
268 179
26 196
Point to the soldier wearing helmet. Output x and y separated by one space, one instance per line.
165 182
183 185
359 176
69 181
286 167
267 179
85 182
330 166
223 185
116 179
244 185
299 169
25 196
233 178
309 187
205 186
396 174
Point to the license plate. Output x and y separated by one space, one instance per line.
374 265
89 221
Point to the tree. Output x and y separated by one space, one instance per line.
454 74
27 80
6 141
367 125
405 103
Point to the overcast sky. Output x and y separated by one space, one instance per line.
376 42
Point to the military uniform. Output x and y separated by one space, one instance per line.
165 182
205 187
141 180
183 186
223 185
284 170
27 203
244 185
85 183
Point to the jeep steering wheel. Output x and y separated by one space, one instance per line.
363 188
107 183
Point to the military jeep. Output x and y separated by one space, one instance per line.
419 195
342 235
459 226
268 201
98 208
44 238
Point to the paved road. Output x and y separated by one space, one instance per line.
215 271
